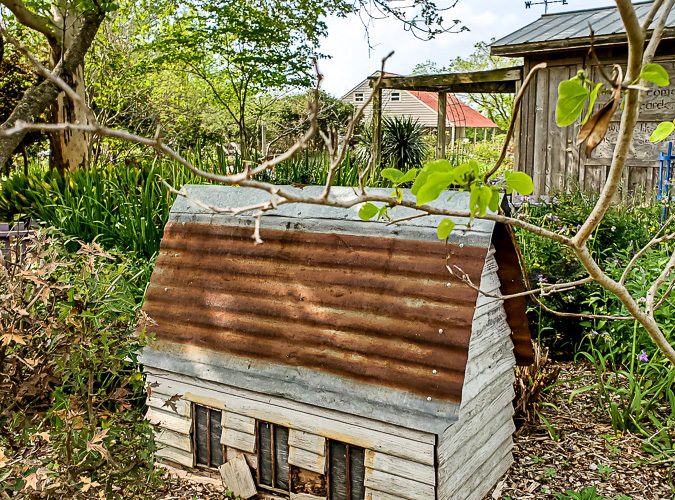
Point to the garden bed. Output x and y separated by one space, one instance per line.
586 454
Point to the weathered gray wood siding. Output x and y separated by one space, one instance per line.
399 462
473 453
550 154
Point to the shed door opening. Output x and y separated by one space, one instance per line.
206 432
346 471
273 457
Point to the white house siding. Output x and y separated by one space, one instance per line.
409 105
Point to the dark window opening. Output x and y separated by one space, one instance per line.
395 96
358 96
273 457
346 471
206 431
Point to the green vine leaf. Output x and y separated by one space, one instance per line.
519 182
572 97
392 174
368 211
408 176
655 73
662 131
445 228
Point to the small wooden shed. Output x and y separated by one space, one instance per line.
562 40
336 360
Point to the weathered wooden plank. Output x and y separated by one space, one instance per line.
540 132
238 422
488 474
497 80
174 439
500 348
399 486
158 401
458 437
307 460
500 386
251 458
238 440
237 478
393 465
169 420
379 495
358 431
305 496
463 465
306 441
474 387
176 455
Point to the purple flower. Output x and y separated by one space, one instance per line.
578 226
556 218
643 357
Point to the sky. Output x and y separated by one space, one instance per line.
351 60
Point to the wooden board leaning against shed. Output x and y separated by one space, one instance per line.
313 420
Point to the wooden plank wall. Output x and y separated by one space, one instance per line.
549 153
399 463
476 451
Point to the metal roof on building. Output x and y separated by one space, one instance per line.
330 310
560 30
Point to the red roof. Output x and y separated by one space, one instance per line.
457 112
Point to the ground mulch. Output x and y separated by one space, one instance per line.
585 453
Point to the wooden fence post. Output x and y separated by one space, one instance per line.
377 128
442 117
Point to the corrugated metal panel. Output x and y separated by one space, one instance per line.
561 26
330 310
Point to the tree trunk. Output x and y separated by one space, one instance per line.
41 95
69 150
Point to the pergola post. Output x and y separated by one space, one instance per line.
377 128
442 118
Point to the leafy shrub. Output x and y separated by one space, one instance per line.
71 393
633 380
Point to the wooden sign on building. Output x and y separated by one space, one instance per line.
549 153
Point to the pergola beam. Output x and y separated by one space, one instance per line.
440 126
495 80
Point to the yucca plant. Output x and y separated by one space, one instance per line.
403 144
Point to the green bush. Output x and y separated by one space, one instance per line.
72 394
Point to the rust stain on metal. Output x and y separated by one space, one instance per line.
373 309
512 278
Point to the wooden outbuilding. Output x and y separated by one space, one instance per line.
336 360
562 40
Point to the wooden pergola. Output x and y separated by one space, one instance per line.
506 80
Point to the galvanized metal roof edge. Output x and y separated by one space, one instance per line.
306 386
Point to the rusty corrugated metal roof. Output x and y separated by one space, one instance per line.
330 310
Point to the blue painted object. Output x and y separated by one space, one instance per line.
665 179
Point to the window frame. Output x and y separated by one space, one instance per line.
273 458
395 96
208 409
359 96
348 469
